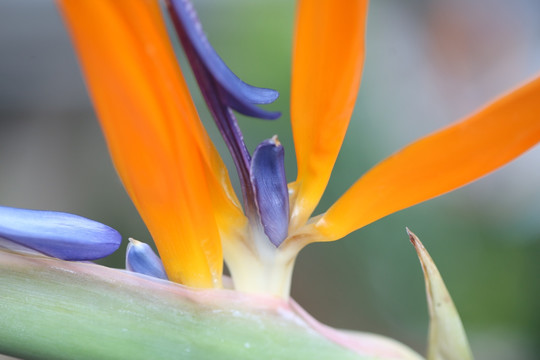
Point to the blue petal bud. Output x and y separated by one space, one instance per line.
271 193
240 96
140 258
61 235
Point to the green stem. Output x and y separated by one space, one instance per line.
54 309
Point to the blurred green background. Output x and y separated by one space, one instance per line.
428 63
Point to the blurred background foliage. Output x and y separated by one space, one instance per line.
429 62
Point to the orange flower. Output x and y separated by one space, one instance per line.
179 183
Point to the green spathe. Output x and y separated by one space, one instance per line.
54 309
447 339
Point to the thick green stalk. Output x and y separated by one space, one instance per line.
53 309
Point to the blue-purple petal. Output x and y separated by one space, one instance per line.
248 109
271 193
140 258
240 95
223 92
61 235
215 98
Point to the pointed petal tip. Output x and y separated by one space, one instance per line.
274 139
269 95
141 259
57 234
447 338
133 242
413 238
260 96
248 108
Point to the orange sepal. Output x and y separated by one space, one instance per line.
440 162
328 56
161 152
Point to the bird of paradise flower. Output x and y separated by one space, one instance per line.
178 181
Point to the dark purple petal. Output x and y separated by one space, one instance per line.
271 193
215 97
240 96
61 235
251 110
140 258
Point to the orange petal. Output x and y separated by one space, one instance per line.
326 72
165 159
440 162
